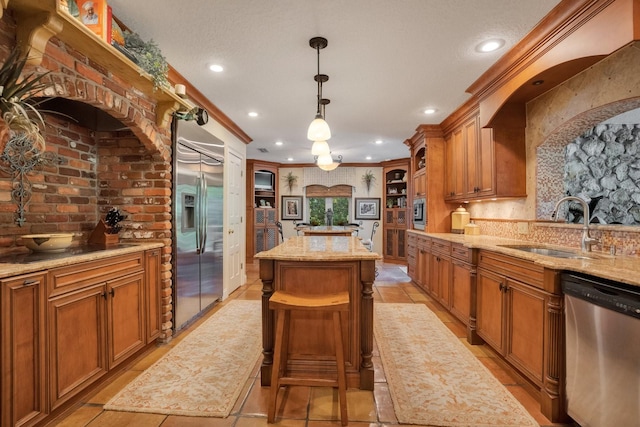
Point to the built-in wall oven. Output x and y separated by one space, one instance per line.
419 213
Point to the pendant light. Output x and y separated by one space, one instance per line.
327 162
319 129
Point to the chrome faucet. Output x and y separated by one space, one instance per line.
587 240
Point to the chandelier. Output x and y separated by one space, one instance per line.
319 131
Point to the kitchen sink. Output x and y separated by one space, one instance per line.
556 253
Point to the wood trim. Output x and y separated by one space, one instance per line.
334 191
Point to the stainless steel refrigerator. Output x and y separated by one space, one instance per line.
198 221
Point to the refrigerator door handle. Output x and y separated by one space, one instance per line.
203 233
198 214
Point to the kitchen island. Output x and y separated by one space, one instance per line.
315 265
327 230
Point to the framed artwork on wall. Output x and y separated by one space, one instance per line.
291 207
367 208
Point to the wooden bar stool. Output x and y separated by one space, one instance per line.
283 303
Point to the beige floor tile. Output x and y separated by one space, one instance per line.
262 422
257 401
81 416
361 405
175 421
324 404
127 419
384 404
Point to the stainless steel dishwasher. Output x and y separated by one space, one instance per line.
602 319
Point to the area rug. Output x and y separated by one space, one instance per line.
204 374
434 379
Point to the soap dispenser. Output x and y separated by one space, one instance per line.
459 218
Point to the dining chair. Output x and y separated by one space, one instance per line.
300 224
279 225
356 228
369 242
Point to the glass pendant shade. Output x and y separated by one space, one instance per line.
318 130
319 148
329 167
325 159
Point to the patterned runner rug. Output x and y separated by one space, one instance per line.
434 379
203 375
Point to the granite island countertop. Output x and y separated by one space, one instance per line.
625 269
319 248
29 262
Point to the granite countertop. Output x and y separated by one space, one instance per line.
319 248
625 269
28 262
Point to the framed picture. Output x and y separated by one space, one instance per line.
291 207
367 208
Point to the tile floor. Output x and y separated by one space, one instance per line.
304 406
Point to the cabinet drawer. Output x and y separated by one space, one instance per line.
424 243
73 277
462 253
441 247
516 268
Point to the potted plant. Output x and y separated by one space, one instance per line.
290 180
19 113
368 179
149 58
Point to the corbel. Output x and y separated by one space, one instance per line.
34 32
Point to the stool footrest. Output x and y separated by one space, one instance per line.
308 382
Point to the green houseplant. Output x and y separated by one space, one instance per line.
19 113
149 58
291 180
368 179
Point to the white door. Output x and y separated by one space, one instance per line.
235 225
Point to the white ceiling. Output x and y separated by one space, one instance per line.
387 61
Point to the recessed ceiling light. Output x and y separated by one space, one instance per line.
490 45
290 159
278 142
216 68
253 114
430 111
378 141
368 157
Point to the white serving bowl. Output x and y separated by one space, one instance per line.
57 242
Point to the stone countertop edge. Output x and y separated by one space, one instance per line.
310 248
9 269
625 269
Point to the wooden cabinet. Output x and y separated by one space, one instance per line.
23 357
482 162
418 248
519 314
463 287
265 230
440 271
396 218
427 170
412 249
262 203
96 320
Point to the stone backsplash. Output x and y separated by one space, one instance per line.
626 240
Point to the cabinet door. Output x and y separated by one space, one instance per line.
23 350
486 169
389 218
456 171
471 141
526 308
389 242
125 317
461 290
153 296
260 217
490 311
77 348
401 243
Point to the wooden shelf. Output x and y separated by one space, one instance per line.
39 20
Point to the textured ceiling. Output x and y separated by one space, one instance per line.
387 61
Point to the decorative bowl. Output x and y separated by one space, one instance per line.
57 242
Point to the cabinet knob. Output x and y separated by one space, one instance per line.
30 282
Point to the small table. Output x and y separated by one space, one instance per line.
327 230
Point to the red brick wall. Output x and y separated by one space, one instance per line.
128 169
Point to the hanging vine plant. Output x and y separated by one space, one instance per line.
368 179
290 180
149 58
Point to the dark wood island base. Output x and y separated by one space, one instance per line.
312 266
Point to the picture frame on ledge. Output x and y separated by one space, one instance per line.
291 207
367 208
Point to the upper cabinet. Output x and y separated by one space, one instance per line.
482 163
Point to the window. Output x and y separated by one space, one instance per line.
318 207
